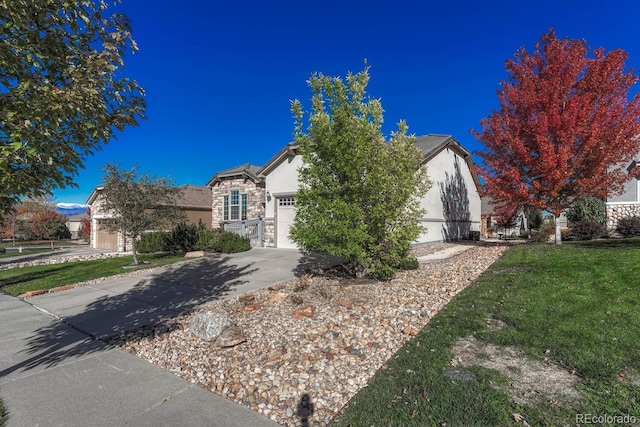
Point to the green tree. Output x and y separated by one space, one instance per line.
358 195
138 203
62 93
591 208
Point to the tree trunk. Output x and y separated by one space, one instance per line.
134 251
558 234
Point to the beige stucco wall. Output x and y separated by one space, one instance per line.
449 173
255 198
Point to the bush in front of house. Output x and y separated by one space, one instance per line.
229 243
587 229
629 227
206 239
152 242
182 238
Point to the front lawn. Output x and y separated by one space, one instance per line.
547 336
17 281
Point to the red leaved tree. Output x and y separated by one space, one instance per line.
565 128
505 217
85 225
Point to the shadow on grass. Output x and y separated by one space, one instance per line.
28 277
613 243
121 307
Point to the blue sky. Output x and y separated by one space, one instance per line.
219 76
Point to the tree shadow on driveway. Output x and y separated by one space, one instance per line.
91 313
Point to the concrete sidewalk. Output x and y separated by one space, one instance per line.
54 372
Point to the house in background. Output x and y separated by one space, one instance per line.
194 201
627 204
74 224
452 203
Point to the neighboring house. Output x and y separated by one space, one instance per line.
74 224
627 204
194 201
237 195
452 202
489 229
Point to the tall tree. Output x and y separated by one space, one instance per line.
358 196
565 129
138 203
62 92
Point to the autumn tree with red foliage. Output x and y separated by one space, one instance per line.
85 225
565 129
505 217
48 225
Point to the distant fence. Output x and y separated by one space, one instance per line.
252 229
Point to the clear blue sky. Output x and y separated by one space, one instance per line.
219 75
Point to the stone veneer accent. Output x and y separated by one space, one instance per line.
255 198
616 212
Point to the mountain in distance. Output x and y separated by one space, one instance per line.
70 209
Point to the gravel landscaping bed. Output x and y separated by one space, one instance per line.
318 336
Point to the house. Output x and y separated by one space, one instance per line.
488 227
627 204
74 224
194 201
452 203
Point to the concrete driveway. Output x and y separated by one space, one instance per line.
53 370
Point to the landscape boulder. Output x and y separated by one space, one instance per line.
209 325
231 337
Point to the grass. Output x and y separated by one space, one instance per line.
3 415
18 281
574 307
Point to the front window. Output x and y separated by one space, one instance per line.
234 206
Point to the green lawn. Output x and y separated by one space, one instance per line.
18 281
574 310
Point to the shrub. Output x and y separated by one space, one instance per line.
230 243
382 272
629 227
591 208
182 238
408 263
587 229
152 242
543 235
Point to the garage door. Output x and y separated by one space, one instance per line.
286 211
105 239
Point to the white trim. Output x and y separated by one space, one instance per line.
621 203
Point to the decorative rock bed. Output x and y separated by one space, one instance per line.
314 337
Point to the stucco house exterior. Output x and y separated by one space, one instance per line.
195 201
452 203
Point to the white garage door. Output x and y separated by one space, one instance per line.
286 211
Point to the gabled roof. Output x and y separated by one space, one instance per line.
291 149
192 197
433 144
247 170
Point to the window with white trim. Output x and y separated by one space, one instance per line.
234 206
